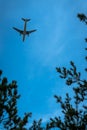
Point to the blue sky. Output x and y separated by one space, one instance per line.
58 40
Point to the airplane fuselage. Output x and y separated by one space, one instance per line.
24 32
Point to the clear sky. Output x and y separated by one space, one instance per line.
58 40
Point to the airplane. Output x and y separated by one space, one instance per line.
24 32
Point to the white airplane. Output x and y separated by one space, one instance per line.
24 32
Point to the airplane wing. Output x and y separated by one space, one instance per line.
20 31
28 32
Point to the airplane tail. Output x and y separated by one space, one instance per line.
26 19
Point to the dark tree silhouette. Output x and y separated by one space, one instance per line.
37 125
82 17
9 118
74 114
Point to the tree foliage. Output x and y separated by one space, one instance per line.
74 114
9 118
36 125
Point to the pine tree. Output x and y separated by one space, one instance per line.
74 114
9 118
